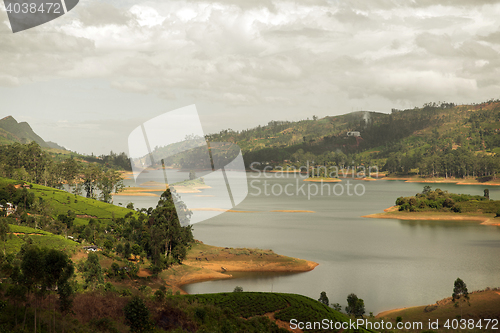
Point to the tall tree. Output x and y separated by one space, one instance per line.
58 269
137 315
324 299
65 292
4 232
460 292
32 267
355 306
92 271
169 239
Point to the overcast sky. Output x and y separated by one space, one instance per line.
88 78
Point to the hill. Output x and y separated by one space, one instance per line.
483 309
436 140
12 131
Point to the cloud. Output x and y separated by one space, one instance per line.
100 14
258 54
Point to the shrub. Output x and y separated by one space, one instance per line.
400 201
109 287
404 206
159 295
126 292
238 289
137 315
448 202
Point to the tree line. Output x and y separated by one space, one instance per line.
30 163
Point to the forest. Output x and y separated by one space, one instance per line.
30 163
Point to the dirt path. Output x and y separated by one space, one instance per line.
22 233
281 323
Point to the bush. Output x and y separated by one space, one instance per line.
159 295
126 292
137 315
238 289
400 201
109 287
448 203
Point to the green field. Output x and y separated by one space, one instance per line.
61 202
284 306
38 237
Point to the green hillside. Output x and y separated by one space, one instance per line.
41 238
19 132
247 305
437 140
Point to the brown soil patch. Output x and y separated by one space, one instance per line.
86 216
249 266
22 233
79 256
206 262
388 312
483 304
143 273
281 324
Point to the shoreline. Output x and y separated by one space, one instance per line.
210 263
481 302
393 213
466 181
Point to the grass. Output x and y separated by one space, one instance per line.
483 304
40 238
284 306
62 201
215 253
27 230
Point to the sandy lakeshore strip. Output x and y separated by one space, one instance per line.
293 211
222 210
443 181
136 194
246 266
207 262
393 213
249 211
332 180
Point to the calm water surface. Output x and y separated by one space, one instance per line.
388 263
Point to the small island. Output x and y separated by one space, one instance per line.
442 205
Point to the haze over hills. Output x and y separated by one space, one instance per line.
11 131
433 128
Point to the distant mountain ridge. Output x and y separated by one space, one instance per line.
11 131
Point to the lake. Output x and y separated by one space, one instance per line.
388 263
